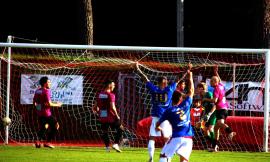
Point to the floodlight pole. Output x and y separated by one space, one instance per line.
266 103
180 23
9 40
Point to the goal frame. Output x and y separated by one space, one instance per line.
266 53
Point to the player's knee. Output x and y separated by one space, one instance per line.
166 139
182 159
151 138
46 126
57 125
121 127
211 128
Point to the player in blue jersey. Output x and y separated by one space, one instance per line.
161 100
179 117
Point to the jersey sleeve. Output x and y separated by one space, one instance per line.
150 86
112 97
173 86
47 96
208 95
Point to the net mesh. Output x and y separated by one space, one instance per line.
78 75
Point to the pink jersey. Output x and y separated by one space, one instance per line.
41 100
219 93
106 114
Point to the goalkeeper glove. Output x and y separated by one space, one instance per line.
207 116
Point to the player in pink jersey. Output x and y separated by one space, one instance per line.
43 104
221 108
108 117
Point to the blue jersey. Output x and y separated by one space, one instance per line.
179 117
161 98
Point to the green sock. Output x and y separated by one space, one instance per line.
212 136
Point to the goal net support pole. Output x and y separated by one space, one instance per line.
266 102
8 89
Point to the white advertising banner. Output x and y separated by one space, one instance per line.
248 96
67 89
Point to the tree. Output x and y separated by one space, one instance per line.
89 21
267 22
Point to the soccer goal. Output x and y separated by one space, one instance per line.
77 73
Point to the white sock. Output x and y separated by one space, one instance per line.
163 159
151 148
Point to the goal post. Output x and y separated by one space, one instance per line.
79 71
266 103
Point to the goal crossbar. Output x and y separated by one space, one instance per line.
133 48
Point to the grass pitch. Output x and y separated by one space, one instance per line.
94 154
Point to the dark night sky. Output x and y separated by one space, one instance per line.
231 23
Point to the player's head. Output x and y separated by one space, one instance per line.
45 82
214 81
181 85
177 97
109 85
197 101
162 82
201 88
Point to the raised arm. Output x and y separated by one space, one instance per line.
189 67
145 78
216 72
190 92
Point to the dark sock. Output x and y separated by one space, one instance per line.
214 143
228 130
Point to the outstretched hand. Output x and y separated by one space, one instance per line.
189 67
216 68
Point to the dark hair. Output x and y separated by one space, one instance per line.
43 80
202 85
107 83
176 96
181 81
160 79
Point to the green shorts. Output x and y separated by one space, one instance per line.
212 120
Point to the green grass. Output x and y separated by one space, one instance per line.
91 154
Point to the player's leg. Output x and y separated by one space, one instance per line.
53 128
185 149
41 132
222 116
211 125
183 159
211 135
105 136
152 134
169 149
166 130
118 135
216 132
